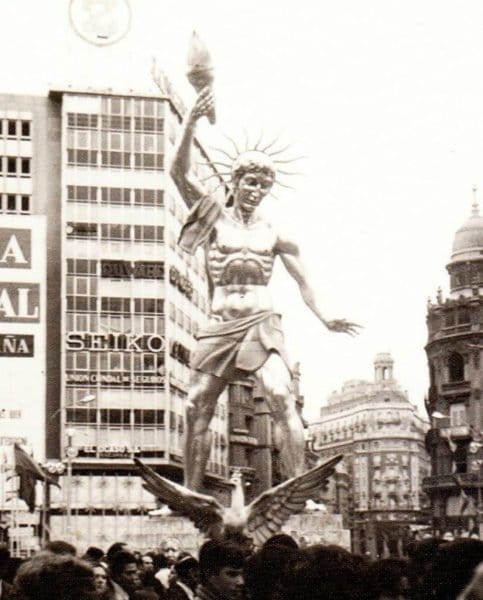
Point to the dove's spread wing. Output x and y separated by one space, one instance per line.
205 512
269 511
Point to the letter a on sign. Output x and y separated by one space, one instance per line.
15 248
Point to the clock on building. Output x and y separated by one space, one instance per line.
100 22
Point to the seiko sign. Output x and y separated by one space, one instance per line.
19 302
16 345
123 269
15 248
128 342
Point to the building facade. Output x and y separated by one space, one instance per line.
454 351
381 436
121 306
252 448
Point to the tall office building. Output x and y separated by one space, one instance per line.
382 438
124 303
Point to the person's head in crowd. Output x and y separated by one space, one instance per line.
93 554
187 570
221 569
101 579
60 547
264 571
160 562
124 571
171 550
474 590
147 562
388 579
49 576
281 539
114 549
454 566
322 572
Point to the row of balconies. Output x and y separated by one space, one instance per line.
448 482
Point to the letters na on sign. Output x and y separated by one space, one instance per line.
16 344
15 248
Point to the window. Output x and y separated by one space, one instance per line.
149 161
464 315
148 233
456 367
116 195
449 318
11 165
82 157
116 123
115 304
457 414
81 266
25 165
14 204
12 128
148 124
81 304
149 305
115 231
81 193
81 120
149 197
115 159
25 129
81 230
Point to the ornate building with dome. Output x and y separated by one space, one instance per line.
455 344
381 436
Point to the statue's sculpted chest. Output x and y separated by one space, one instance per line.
241 254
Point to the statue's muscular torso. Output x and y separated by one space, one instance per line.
240 262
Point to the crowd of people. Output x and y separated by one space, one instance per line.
224 570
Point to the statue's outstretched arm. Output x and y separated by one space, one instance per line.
289 253
190 188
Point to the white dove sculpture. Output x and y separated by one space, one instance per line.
259 520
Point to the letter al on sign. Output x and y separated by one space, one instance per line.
19 302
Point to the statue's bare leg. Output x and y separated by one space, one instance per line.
276 382
202 397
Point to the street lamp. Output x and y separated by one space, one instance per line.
70 454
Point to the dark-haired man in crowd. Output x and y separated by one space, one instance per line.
49 576
221 571
187 577
125 575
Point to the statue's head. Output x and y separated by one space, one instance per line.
253 175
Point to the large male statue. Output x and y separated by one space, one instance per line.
244 334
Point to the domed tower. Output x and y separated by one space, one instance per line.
383 368
455 343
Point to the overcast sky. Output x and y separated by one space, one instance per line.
384 98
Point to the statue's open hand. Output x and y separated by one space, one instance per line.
204 103
343 326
